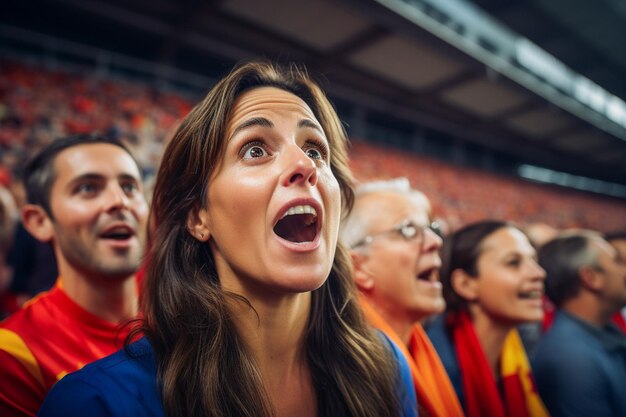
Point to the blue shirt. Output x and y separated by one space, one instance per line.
580 369
126 385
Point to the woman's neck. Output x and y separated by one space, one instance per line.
274 332
491 336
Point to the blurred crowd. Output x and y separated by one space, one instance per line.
38 105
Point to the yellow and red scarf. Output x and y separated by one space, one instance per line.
435 394
519 396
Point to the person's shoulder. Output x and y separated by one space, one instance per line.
566 350
132 366
406 387
22 328
438 334
573 373
24 316
566 340
124 383
398 355
436 329
27 330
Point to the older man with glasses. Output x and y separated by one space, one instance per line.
394 245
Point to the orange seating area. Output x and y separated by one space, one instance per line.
37 105
462 195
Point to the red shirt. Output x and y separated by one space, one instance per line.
41 343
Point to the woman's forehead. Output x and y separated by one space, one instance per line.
505 240
262 99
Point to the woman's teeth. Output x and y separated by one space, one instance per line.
306 209
531 295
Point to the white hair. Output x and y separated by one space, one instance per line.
399 185
356 226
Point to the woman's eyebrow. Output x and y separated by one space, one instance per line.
309 123
255 121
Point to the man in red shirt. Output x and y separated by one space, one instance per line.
85 199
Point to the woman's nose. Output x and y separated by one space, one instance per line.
537 271
299 168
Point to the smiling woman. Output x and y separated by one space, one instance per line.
492 283
249 308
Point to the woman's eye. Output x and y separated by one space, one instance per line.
314 153
315 150
254 151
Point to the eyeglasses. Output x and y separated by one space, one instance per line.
407 229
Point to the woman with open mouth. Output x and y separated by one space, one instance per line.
491 283
248 307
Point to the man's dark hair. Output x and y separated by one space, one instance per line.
39 173
562 259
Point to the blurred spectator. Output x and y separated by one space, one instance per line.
8 220
38 105
581 362
396 263
618 240
85 198
539 233
491 283
34 266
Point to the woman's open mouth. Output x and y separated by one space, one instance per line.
298 224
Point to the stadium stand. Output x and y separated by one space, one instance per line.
38 104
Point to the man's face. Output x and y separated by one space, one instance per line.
613 267
404 272
99 213
620 247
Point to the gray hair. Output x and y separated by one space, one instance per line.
356 226
562 258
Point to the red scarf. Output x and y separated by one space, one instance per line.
519 397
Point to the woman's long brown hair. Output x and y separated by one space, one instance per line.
204 368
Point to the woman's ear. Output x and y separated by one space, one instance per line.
362 278
464 285
198 224
37 222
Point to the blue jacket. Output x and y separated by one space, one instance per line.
126 385
580 369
